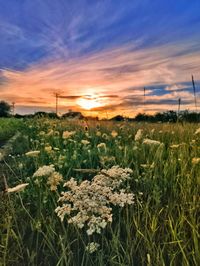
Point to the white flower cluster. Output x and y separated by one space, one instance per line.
45 170
138 135
54 178
68 134
101 146
92 247
90 202
85 142
195 160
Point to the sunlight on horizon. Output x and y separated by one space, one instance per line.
89 103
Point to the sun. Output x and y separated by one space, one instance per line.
88 103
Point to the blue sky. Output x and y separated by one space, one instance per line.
99 48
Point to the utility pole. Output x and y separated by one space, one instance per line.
57 95
194 90
179 105
13 108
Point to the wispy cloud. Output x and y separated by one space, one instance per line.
114 76
105 51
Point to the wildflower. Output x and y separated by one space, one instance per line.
32 153
106 159
48 148
114 134
68 134
121 198
85 142
195 160
42 133
54 180
90 202
151 142
135 148
17 188
138 135
105 136
45 170
197 131
87 134
98 134
92 247
20 166
101 145
61 212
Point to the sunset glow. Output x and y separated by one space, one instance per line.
88 103
53 50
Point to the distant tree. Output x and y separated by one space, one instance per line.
118 118
4 109
73 115
18 116
142 117
170 116
45 114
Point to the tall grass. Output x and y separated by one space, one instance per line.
161 228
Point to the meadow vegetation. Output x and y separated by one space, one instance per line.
100 193
8 127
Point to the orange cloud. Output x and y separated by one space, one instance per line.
109 77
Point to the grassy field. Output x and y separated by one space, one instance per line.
8 127
143 212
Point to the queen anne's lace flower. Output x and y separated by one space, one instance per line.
68 134
90 202
92 247
45 170
85 142
114 134
54 178
195 160
138 135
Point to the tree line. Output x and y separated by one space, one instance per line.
168 116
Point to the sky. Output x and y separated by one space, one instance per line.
98 55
